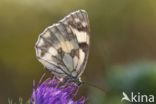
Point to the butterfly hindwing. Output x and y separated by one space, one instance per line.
63 47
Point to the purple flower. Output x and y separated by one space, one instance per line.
51 92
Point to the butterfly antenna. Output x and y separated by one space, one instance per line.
92 85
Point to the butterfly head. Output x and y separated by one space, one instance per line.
78 82
75 80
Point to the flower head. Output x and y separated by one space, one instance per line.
51 92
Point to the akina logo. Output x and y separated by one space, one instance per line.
137 97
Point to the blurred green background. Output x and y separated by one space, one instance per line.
122 53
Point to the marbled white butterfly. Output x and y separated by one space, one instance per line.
63 47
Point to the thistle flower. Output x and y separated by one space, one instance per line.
51 92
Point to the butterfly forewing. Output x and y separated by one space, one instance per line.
63 47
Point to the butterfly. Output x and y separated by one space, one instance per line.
63 47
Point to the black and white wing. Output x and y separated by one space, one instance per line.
63 47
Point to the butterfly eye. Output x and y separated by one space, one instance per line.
78 84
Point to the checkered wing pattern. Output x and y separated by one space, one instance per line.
63 47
